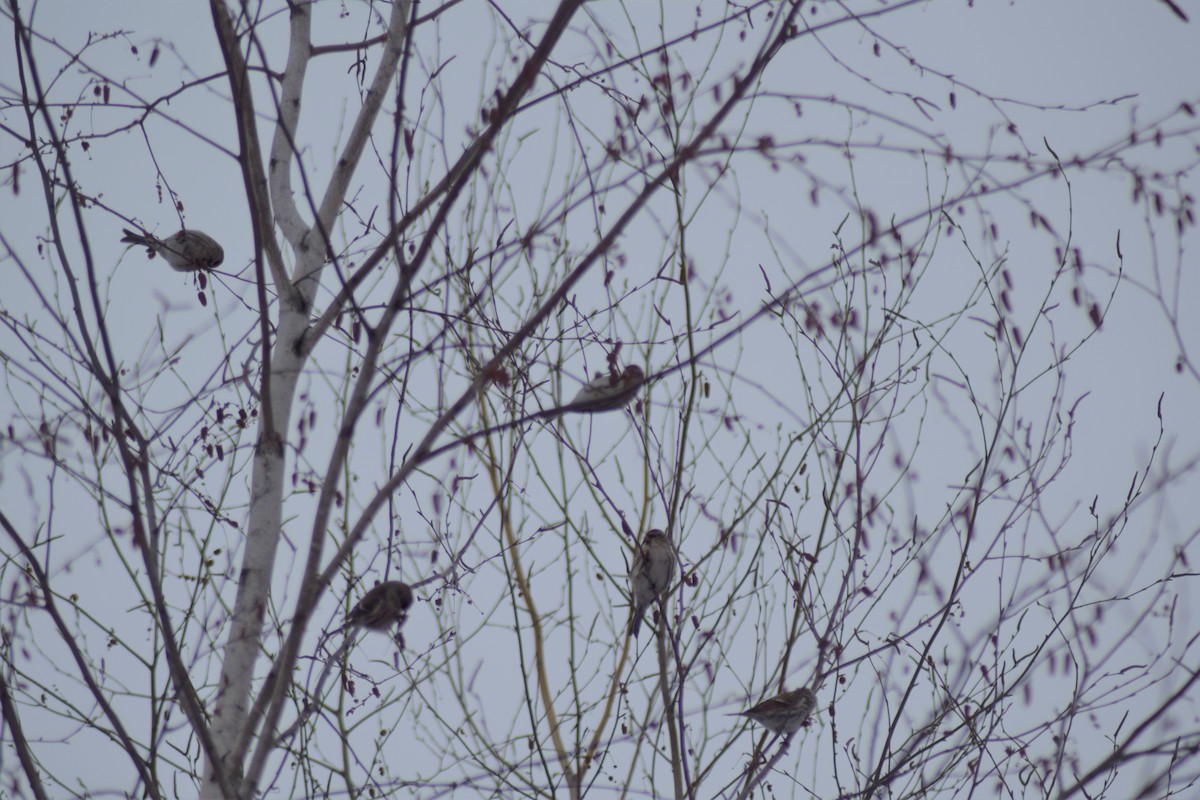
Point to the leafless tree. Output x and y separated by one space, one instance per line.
863 316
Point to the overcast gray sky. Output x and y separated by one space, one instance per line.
1073 76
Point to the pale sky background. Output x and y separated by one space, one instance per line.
1126 62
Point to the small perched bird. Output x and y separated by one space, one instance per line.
382 607
783 713
608 391
185 250
651 575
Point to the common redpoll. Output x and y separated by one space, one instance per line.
783 713
651 575
382 607
608 391
185 250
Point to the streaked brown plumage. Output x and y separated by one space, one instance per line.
651 574
186 250
783 713
608 391
382 607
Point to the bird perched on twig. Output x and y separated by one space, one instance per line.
651 575
783 713
382 607
608 391
185 250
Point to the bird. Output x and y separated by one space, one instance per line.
187 250
783 713
651 575
608 391
385 605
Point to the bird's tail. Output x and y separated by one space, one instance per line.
635 621
132 237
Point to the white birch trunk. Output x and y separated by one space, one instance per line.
230 712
